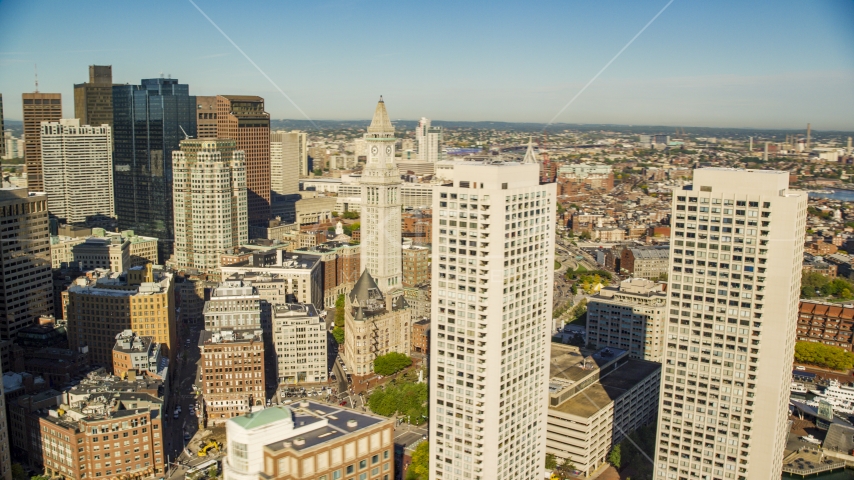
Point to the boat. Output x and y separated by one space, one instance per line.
811 439
798 387
840 397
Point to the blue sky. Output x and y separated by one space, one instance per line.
762 63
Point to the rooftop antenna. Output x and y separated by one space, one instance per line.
186 137
36 68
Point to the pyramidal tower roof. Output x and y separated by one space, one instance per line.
530 156
381 122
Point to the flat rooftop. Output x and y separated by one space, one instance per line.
607 389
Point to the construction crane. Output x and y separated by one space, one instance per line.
186 137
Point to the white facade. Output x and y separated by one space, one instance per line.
380 216
299 339
288 160
210 206
735 269
77 164
14 146
429 141
492 277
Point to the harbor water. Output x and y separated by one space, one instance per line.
841 195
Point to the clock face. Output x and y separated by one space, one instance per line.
375 150
388 150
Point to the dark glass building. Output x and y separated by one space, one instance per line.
147 123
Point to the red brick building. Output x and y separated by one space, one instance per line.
421 336
241 353
826 323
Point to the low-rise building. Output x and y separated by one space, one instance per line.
299 339
339 265
630 316
421 336
309 440
827 323
595 401
300 274
645 262
80 439
142 355
241 354
416 265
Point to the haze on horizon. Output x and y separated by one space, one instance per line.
725 64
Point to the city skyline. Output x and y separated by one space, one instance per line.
475 65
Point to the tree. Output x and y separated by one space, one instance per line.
419 469
406 398
317 172
551 461
350 215
338 335
822 355
339 311
615 457
18 472
334 214
391 363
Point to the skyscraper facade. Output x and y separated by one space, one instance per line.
77 166
149 121
210 202
735 269
380 231
242 118
93 101
287 150
492 278
38 108
206 116
429 141
26 286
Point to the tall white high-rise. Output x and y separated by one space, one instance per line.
492 277
429 140
77 167
287 161
735 270
209 197
380 218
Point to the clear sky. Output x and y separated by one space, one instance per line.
756 63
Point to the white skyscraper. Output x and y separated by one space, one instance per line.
429 140
492 283
209 197
77 165
735 269
380 218
287 150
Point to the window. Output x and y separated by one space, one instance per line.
351 469
363 464
504 186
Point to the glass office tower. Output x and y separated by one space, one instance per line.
147 120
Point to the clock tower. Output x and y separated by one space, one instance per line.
380 217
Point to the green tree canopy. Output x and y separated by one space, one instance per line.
822 355
391 363
406 398
419 469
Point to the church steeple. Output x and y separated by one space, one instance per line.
380 123
530 156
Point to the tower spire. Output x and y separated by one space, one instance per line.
381 123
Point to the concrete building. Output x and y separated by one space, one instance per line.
25 274
309 440
429 141
272 288
300 274
38 108
88 253
288 160
493 272
103 304
14 146
210 202
234 305
645 262
582 178
631 317
77 159
135 355
242 118
380 217
68 440
375 324
206 117
227 395
315 210
595 401
416 265
299 339
93 101
729 349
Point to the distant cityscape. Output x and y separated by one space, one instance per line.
191 289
